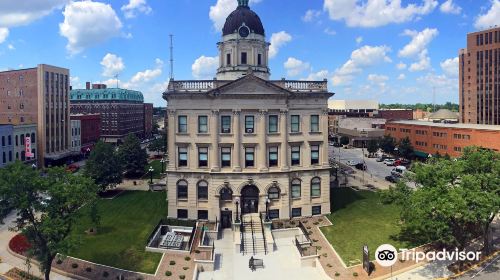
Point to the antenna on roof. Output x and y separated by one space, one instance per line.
171 56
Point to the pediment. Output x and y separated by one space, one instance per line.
250 85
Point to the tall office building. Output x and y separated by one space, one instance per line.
479 78
39 96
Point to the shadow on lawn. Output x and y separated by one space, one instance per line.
342 197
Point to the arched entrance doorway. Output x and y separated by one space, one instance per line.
249 199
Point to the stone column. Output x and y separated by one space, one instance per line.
262 132
284 139
324 131
171 140
214 140
237 140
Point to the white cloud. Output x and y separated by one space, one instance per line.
112 65
359 40
4 33
205 67
11 47
401 66
330 31
278 40
136 6
401 76
375 13
295 67
16 13
419 41
450 67
491 18
318 76
149 74
375 78
311 15
363 57
448 7
87 24
423 62
219 12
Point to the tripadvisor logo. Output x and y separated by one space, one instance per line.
387 255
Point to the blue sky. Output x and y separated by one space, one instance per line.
392 51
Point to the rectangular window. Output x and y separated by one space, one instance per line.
296 212
295 155
249 157
182 122
314 154
203 157
182 213
202 124
295 123
9 140
202 214
3 141
226 157
314 123
183 157
202 191
243 58
273 124
225 124
228 59
274 214
273 156
259 59
249 124
316 210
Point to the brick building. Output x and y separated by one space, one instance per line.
90 126
148 120
121 110
479 71
394 114
444 138
39 96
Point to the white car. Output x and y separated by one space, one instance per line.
389 162
352 162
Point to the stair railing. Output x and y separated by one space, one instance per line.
263 235
253 237
242 240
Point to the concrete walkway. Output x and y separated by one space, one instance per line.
9 261
284 263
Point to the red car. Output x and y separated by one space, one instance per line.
72 168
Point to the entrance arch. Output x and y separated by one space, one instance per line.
249 199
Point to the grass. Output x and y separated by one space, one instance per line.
156 164
360 218
126 223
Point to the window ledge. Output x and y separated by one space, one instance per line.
250 134
296 198
296 133
226 134
203 200
273 133
203 134
315 132
319 196
182 134
182 199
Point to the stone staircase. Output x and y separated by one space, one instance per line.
253 239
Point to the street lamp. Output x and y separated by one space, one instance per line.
162 165
151 170
237 201
268 201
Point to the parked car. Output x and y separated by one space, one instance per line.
352 162
382 158
389 162
398 171
360 166
331 144
392 179
401 161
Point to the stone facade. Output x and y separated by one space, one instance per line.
6 145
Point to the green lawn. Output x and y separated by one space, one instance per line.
360 218
156 164
126 223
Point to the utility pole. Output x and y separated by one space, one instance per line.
171 56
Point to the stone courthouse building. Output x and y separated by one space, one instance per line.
242 143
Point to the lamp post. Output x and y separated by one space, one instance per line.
267 208
151 170
162 165
237 201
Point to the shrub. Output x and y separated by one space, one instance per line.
59 261
185 268
19 244
325 255
88 269
74 265
308 227
318 247
197 251
320 220
182 277
355 274
337 274
187 258
168 273
304 222
172 262
105 274
315 223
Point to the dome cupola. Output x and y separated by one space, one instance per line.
243 15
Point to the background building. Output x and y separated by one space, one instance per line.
6 145
445 138
76 136
121 110
20 134
90 130
148 120
39 96
358 130
394 114
353 106
479 69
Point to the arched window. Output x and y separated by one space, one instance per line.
202 190
296 184
273 193
182 189
226 194
315 187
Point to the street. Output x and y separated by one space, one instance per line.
377 169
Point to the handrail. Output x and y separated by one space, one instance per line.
253 237
242 240
263 234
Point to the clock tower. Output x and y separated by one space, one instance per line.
243 48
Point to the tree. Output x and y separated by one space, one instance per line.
47 207
104 166
132 156
372 146
344 140
405 148
387 144
156 128
454 201
158 145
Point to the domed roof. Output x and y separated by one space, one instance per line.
243 14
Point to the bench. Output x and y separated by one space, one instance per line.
254 263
